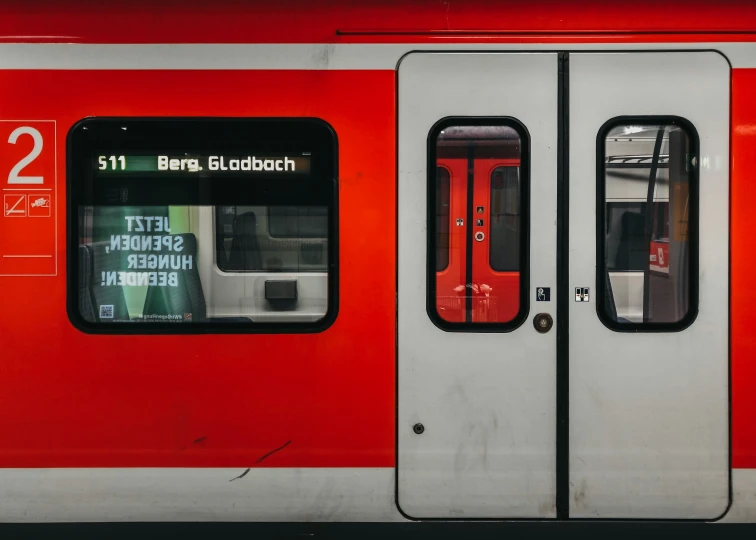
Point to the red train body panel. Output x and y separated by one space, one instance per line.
94 404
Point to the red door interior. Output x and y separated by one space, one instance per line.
478 232
496 240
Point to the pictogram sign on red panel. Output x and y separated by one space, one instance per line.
28 225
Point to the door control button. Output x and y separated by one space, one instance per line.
543 322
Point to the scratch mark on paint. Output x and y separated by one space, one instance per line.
199 440
322 56
261 458
242 475
448 5
580 494
287 443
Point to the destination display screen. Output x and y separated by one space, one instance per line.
202 162
216 164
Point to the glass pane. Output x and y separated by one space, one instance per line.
298 221
443 196
625 237
648 176
237 231
505 219
271 238
477 230
143 264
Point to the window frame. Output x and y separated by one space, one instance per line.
313 134
602 272
524 272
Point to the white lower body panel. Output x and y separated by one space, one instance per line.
207 494
197 494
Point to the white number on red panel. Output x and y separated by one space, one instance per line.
13 176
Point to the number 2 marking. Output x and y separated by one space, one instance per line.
13 176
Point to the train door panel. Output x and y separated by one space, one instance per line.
476 391
648 353
646 391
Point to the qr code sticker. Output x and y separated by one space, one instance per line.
106 311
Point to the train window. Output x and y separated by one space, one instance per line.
443 196
504 254
624 229
298 221
202 225
647 213
477 206
286 238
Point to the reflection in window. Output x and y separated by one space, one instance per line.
298 221
249 248
625 237
504 255
271 238
648 187
443 196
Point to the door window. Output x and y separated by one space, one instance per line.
504 253
647 215
477 234
249 202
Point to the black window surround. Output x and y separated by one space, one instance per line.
95 136
604 294
524 279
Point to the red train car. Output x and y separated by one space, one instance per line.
388 262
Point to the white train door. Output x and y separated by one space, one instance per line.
649 390
563 285
477 396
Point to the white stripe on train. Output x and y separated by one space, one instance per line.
325 56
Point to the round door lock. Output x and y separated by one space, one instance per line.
418 428
479 236
543 322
